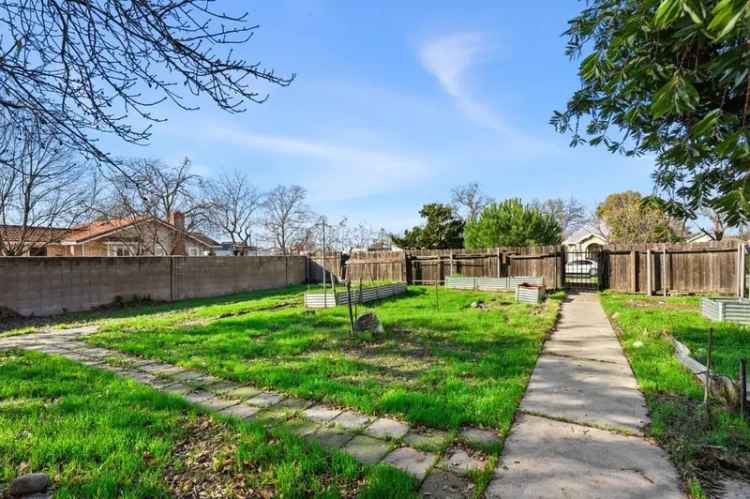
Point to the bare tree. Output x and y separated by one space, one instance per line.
469 201
44 189
718 224
234 205
286 217
148 191
362 237
84 67
570 213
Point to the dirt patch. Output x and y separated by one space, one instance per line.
687 440
206 465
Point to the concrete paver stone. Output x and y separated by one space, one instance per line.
387 428
412 461
459 461
321 413
367 450
265 399
351 420
445 485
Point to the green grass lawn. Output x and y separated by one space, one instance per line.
98 435
703 447
440 362
681 317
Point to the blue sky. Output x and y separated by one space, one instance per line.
396 102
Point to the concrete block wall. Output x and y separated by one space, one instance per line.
201 276
38 286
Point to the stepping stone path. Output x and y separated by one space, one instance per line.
420 452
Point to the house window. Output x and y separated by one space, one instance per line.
38 251
194 252
159 251
119 250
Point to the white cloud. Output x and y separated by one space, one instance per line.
334 171
449 59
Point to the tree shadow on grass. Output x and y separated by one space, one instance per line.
136 308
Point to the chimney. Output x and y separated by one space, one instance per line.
177 219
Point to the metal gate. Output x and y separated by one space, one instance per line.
582 269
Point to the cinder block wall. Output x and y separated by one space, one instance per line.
50 285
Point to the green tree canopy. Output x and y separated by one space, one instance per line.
511 223
669 78
630 220
442 229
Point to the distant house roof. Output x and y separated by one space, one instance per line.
32 234
584 233
83 233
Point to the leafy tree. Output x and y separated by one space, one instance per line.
631 220
442 229
511 223
668 78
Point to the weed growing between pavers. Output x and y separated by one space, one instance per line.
98 435
440 367
702 449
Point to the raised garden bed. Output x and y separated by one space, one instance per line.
726 309
530 293
320 299
490 283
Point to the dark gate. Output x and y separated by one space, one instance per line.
583 269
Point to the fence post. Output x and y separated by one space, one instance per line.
741 270
499 263
451 261
634 271
664 271
649 272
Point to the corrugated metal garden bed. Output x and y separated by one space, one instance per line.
530 293
320 299
726 309
490 283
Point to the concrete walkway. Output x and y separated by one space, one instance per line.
578 433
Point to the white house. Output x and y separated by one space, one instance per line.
586 240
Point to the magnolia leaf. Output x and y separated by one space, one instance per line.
663 100
706 125
726 14
667 13
694 10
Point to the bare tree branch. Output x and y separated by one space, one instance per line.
85 68
286 216
43 187
469 201
234 206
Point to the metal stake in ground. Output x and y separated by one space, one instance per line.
707 387
743 388
437 301
349 301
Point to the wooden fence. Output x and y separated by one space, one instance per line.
429 266
714 267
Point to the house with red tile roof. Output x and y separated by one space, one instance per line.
130 236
